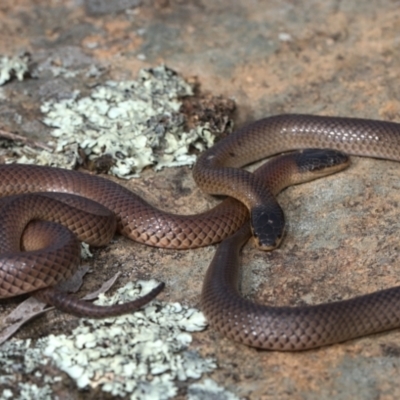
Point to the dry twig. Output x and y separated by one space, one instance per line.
30 142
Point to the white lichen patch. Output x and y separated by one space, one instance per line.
18 358
209 390
138 123
13 67
141 355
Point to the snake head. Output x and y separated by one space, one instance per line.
316 163
268 226
267 219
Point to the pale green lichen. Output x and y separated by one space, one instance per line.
18 358
209 390
13 67
138 123
140 355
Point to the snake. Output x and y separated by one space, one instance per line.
218 171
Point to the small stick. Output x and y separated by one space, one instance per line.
14 136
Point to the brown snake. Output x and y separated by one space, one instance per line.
217 172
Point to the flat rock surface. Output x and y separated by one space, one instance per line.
318 57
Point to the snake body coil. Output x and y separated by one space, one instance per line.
289 328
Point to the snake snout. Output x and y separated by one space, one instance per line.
268 226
